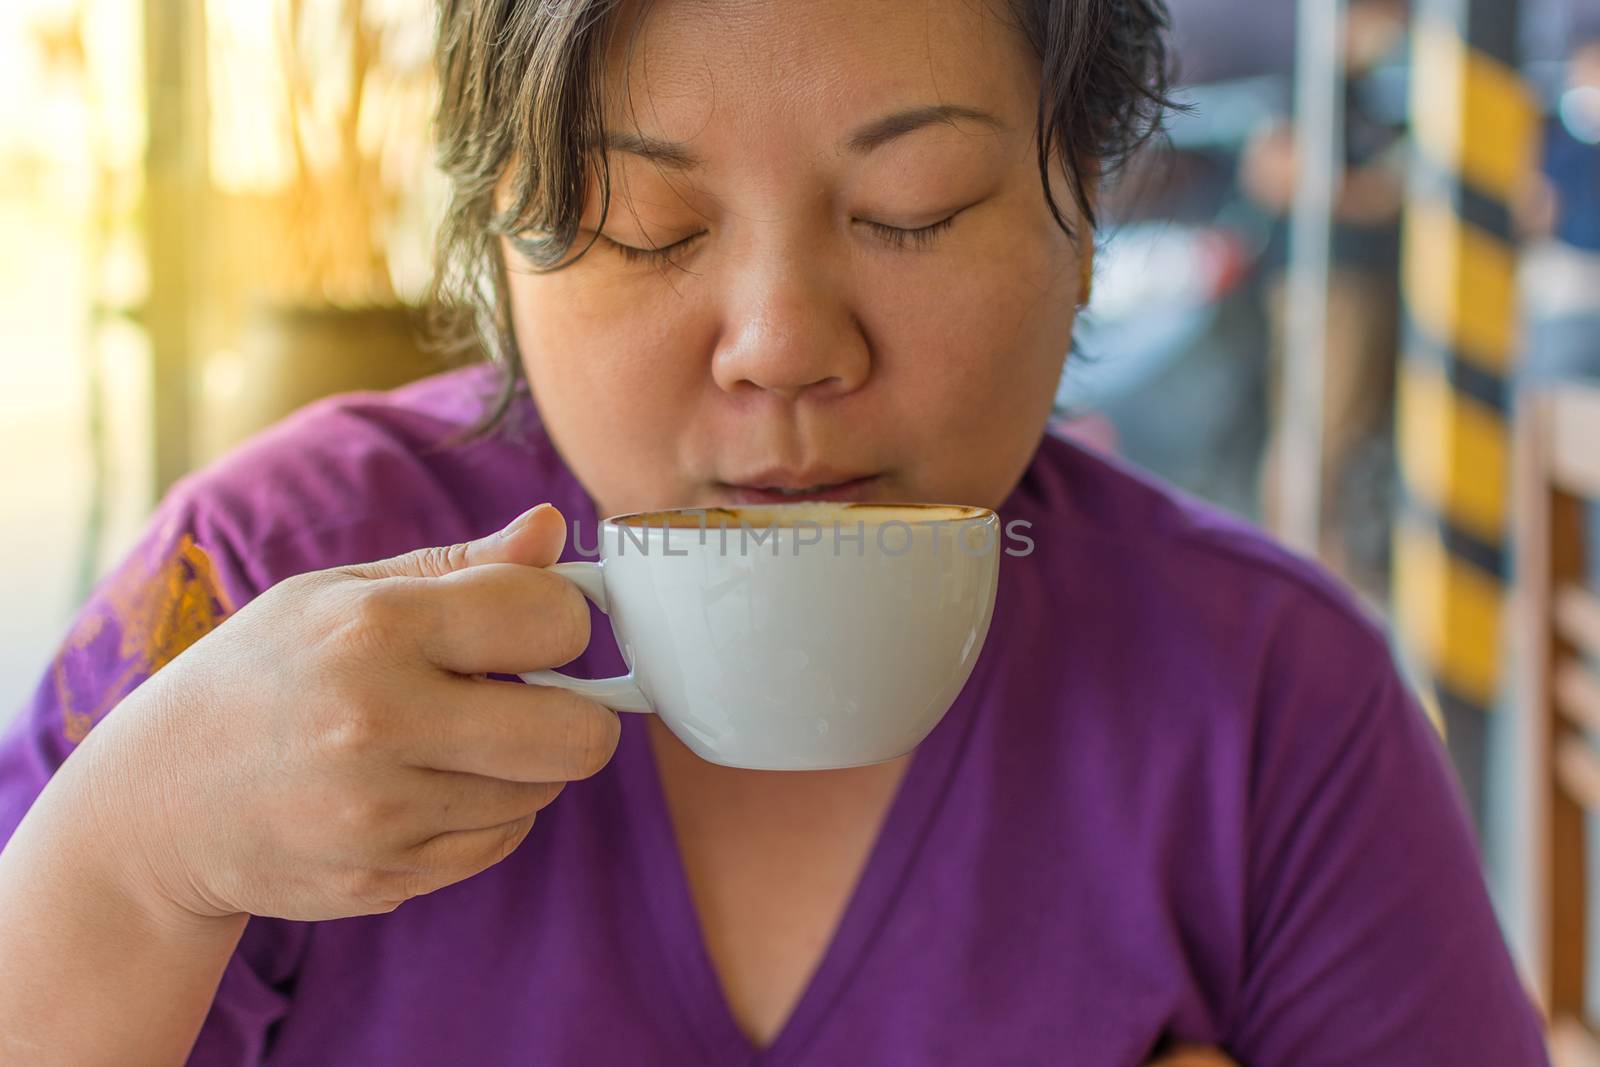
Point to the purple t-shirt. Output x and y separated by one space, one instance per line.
1183 794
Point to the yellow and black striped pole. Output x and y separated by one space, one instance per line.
1474 127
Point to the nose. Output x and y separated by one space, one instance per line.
790 332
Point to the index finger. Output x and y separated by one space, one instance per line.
499 618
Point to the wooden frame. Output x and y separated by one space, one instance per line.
1558 705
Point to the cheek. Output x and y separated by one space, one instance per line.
614 404
587 342
985 330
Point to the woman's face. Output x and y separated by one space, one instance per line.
792 340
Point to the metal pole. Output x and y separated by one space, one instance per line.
176 169
1474 128
1319 155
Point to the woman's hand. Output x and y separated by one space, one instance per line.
333 749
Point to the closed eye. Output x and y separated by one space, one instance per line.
631 254
897 236
921 237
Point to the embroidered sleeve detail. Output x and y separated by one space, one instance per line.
144 616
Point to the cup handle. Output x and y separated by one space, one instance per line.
621 693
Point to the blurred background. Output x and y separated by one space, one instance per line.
1354 296
213 213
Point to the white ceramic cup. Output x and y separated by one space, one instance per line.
792 636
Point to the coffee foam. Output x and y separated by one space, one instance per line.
821 513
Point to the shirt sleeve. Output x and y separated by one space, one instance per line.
1371 936
180 582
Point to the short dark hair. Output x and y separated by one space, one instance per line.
519 86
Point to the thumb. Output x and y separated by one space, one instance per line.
533 539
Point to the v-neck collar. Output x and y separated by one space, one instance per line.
664 887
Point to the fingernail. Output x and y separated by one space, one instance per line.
522 520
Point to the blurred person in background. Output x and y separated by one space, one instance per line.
1560 218
1171 353
1559 215
1363 298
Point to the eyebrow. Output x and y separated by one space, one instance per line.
676 155
880 132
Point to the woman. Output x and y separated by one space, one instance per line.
826 250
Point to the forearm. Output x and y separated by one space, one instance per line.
94 968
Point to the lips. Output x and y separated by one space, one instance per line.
784 486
